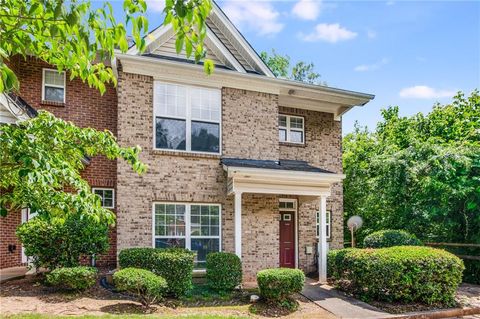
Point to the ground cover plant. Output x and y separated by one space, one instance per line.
74 278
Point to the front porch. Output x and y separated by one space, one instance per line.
275 207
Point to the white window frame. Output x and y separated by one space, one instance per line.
188 237
289 129
106 189
188 120
64 87
328 223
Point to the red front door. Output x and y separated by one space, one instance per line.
287 240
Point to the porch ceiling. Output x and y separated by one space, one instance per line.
278 177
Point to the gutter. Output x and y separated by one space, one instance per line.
249 76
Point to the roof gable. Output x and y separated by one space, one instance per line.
224 45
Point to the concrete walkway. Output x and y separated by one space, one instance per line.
342 307
12 273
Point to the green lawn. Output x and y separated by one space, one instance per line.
38 316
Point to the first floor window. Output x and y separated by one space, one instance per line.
53 86
192 226
328 224
106 196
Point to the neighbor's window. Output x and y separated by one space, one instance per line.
53 86
192 226
291 129
328 223
107 196
187 118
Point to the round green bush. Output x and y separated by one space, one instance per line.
57 242
147 286
73 278
224 271
401 273
279 284
173 264
390 238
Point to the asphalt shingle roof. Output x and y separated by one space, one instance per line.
288 165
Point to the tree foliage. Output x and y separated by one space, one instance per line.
418 173
74 36
40 166
280 67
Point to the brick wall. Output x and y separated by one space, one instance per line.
8 225
250 127
85 107
322 148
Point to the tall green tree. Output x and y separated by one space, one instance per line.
418 173
281 68
74 36
41 162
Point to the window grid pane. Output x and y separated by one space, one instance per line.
54 78
291 129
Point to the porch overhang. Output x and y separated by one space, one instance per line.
310 181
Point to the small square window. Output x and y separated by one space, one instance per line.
107 196
291 129
53 89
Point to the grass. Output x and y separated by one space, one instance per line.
48 316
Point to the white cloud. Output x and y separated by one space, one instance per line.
371 67
329 33
156 5
371 34
307 9
425 92
259 16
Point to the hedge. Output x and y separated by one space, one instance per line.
73 278
401 273
147 286
224 271
390 238
173 264
279 284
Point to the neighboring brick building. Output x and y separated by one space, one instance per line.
238 161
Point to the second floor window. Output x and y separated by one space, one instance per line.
53 86
291 129
187 118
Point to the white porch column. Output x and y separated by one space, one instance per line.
238 224
322 241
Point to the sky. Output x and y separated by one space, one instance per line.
407 53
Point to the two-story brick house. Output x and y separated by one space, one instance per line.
239 161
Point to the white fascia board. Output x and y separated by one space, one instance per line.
151 38
155 67
271 174
224 51
240 39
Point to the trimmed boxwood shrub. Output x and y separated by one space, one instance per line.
173 264
401 273
72 278
147 286
278 284
224 271
390 238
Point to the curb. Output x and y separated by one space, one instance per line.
437 314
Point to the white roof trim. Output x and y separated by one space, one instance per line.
241 40
7 107
224 51
151 38
271 181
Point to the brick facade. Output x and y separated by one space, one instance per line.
249 130
83 106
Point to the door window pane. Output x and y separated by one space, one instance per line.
205 137
170 133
